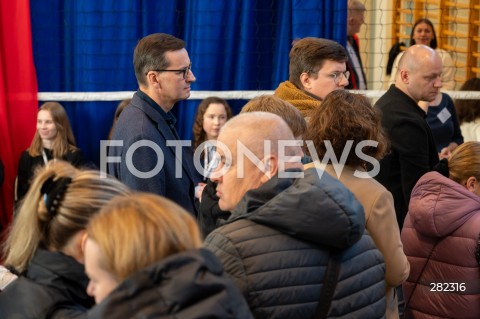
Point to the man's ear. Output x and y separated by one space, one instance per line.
305 81
270 168
405 76
152 80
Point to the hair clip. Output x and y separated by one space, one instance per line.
53 192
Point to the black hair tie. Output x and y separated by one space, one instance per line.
442 167
53 192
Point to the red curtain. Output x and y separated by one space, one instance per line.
18 94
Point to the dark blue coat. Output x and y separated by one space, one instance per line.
175 178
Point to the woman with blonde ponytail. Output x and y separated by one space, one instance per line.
440 238
44 244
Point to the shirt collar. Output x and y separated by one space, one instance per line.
167 116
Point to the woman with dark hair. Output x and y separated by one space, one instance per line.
469 112
212 113
440 238
423 32
53 140
347 124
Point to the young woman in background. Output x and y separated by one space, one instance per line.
53 140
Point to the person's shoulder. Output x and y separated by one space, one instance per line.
133 123
385 100
75 152
234 228
367 190
25 154
26 159
27 297
447 100
442 52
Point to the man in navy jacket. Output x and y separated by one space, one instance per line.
145 152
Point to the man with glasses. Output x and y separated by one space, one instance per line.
145 152
317 67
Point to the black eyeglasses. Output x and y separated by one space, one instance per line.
185 71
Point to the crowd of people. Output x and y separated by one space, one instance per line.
311 203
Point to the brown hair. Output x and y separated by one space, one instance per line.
273 104
150 52
469 110
343 117
309 54
120 107
199 134
64 140
156 228
465 162
35 225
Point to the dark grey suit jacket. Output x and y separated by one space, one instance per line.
145 162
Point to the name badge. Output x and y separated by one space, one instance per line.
444 115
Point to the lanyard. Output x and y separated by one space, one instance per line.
45 159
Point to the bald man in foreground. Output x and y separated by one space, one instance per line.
284 231
413 152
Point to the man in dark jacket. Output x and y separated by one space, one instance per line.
413 151
288 225
147 154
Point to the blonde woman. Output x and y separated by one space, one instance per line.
159 268
44 244
53 140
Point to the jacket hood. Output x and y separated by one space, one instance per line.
183 285
317 208
439 206
301 100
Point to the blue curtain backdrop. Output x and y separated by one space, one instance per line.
82 46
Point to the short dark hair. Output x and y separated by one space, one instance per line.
150 52
309 55
433 43
342 117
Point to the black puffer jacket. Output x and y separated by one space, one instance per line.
276 244
186 285
54 286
